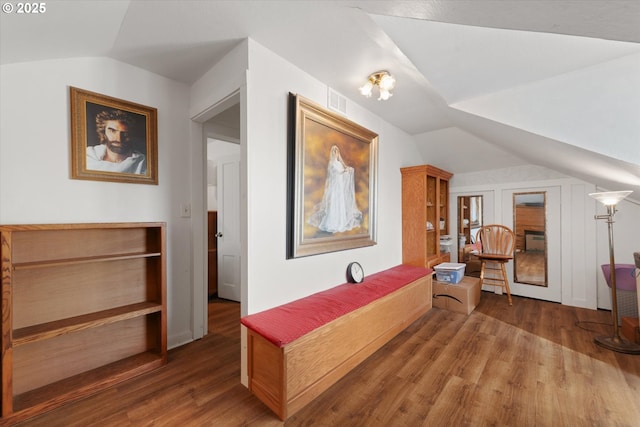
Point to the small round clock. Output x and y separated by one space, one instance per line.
355 273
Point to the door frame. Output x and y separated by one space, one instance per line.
553 226
199 326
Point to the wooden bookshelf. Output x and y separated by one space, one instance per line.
83 308
425 214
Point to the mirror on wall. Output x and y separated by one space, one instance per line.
469 217
469 222
529 219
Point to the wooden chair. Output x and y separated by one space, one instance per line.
496 244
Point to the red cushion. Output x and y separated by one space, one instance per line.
286 323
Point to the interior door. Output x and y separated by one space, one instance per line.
552 240
229 228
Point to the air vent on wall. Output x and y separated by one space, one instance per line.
337 102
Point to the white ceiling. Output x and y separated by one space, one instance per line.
445 55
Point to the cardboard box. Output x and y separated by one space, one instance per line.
466 294
630 329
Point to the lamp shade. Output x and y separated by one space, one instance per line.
387 82
367 88
610 198
384 95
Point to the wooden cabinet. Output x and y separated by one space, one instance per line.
212 259
425 215
83 307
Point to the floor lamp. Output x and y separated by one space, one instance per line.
614 342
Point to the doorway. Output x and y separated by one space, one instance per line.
222 140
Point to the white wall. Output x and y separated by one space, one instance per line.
35 184
272 279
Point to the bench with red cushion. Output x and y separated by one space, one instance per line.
286 323
297 350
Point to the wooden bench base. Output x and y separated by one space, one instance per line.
288 378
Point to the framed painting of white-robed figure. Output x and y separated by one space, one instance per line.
112 139
332 172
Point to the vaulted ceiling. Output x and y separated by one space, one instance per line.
480 84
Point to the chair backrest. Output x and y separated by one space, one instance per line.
496 239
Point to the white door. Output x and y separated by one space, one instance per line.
553 290
229 228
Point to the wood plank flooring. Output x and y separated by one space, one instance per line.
530 267
526 365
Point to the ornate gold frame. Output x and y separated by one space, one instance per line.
313 130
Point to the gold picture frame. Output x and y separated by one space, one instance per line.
332 181
112 139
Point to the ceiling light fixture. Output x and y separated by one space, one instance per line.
385 83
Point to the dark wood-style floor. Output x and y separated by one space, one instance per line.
526 365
